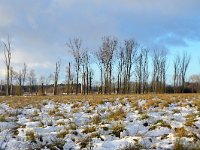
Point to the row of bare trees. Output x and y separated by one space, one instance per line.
159 60
180 64
82 68
21 77
124 68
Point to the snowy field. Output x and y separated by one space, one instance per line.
110 124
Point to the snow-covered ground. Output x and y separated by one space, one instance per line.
113 125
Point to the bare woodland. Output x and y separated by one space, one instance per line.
123 67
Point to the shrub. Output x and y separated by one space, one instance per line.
117 115
57 144
60 123
144 116
84 142
30 135
2 118
160 123
181 132
72 126
96 119
62 134
89 129
190 119
181 145
132 147
117 129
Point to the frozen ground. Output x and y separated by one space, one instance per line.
111 124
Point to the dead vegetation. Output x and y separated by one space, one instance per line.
23 101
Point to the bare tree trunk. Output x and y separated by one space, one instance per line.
118 85
77 84
87 80
8 82
110 79
90 81
68 78
159 65
7 54
184 66
75 46
11 81
101 81
129 56
56 74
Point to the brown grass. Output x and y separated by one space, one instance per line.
190 120
117 129
181 132
89 129
23 101
117 115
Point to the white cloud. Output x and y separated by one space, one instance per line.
6 17
40 29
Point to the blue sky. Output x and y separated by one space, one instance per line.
40 28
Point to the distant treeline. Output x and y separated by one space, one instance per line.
123 66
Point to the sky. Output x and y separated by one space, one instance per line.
39 29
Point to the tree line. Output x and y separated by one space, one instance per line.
124 68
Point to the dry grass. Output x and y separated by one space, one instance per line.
22 101
117 129
144 116
96 119
181 145
117 115
2 118
62 134
89 129
160 123
197 103
30 135
181 132
190 120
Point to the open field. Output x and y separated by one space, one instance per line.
100 122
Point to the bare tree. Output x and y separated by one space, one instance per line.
141 71
1 88
24 72
145 70
185 61
48 81
32 80
75 47
176 65
99 63
85 71
68 76
11 80
7 55
195 81
56 75
120 57
129 57
91 74
159 71
107 55
42 82
19 77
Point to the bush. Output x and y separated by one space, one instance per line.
89 129
30 136
117 115
117 129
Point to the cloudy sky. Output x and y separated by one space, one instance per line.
39 29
